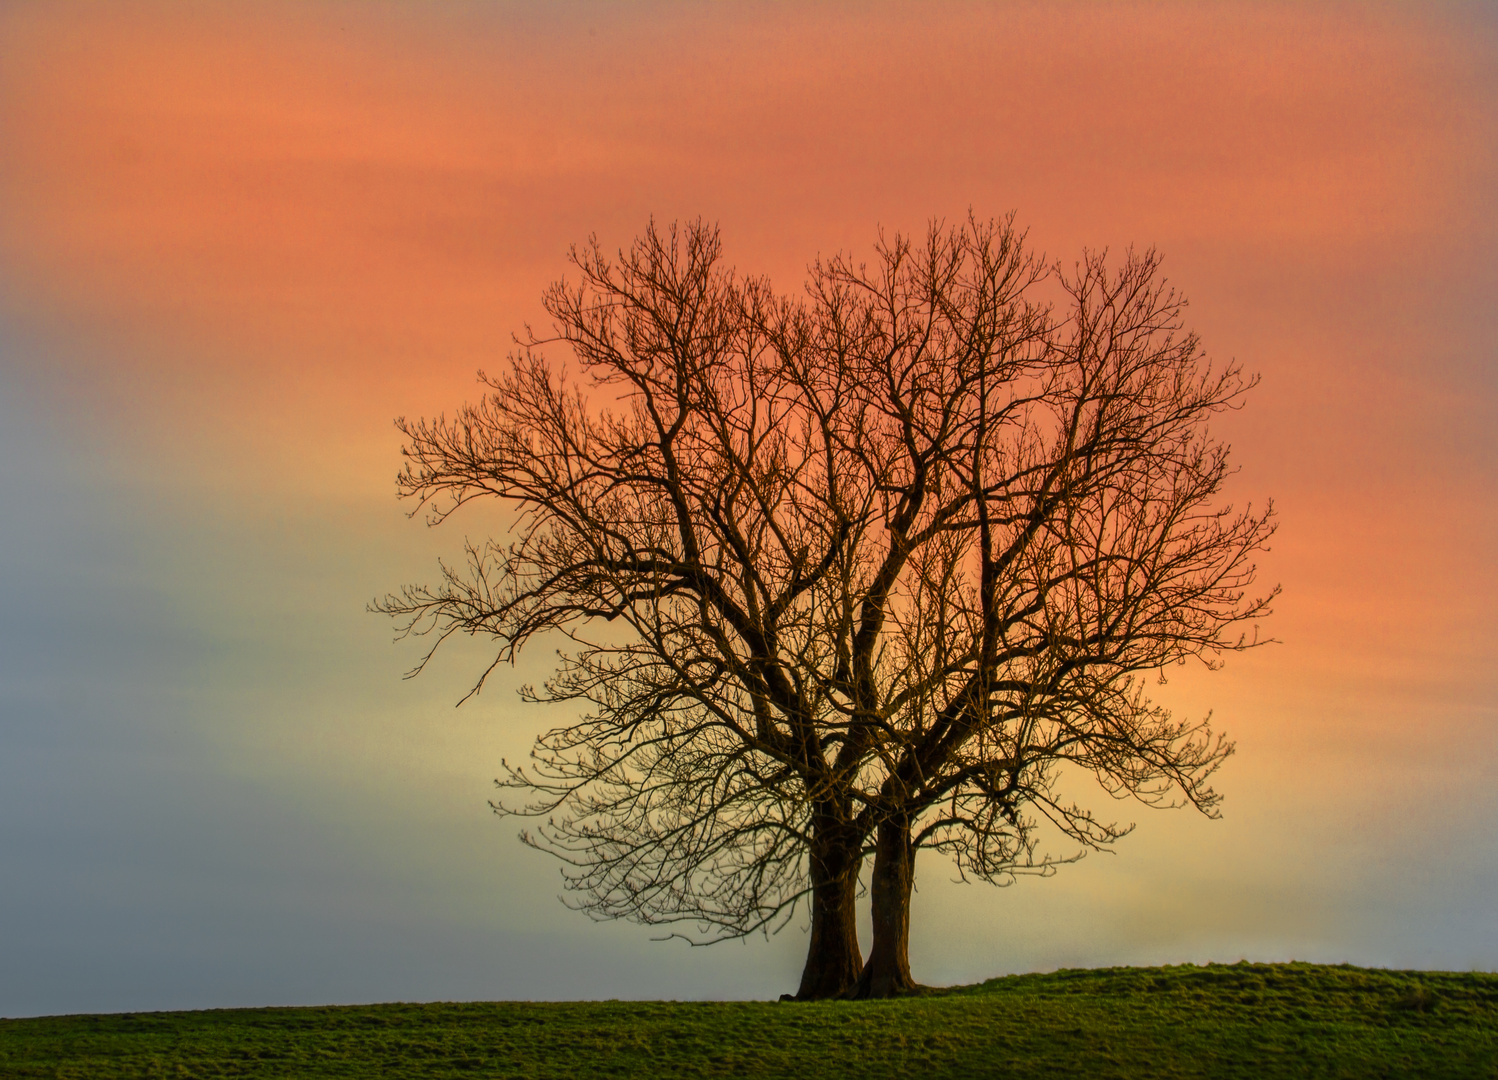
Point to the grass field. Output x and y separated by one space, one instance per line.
1240 1020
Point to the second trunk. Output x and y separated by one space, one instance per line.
887 971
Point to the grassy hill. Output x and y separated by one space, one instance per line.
1240 1020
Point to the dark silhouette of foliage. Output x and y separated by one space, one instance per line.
864 571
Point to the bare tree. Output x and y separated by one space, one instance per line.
871 567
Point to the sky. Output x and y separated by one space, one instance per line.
237 241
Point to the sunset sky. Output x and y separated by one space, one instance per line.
238 240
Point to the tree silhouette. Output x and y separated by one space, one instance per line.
867 570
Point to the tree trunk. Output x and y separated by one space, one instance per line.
887 971
832 958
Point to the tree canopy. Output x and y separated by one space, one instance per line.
854 572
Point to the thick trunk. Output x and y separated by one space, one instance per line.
832 958
887 971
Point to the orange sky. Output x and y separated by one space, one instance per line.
242 238
386 187
279 227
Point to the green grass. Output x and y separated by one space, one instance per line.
1240 1020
